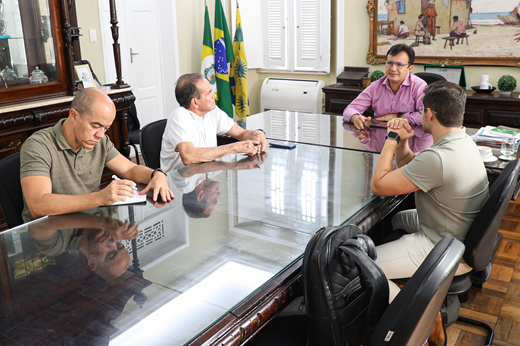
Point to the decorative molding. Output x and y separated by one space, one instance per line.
373 60
260 316
16 121
123 101
371 10
13 144
445 62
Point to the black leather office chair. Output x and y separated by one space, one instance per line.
430 78
410 316
482 241
11 197
134 132
413 312
151 141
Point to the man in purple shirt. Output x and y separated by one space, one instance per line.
398 94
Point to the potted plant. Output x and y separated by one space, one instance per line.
378 74
506 84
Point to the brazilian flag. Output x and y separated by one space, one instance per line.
223 55
238 78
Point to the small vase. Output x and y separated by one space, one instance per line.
505 93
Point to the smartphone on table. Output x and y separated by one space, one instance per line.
282 144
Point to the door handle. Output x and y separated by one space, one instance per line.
132 56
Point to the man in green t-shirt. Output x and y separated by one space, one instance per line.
449 180
61 166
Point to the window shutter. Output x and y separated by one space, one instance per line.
312 35
275 33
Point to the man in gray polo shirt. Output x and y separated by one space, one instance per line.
61 166
449 180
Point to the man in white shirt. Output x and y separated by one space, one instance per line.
191 130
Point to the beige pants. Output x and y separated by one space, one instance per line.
401 258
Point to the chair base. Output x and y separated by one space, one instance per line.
452 309
491 333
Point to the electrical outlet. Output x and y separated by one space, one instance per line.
93 36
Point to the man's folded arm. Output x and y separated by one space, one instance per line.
244 135
385 180
37 191
190 154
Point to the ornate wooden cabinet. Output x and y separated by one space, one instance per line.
39 46
481 108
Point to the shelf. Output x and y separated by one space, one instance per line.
21 38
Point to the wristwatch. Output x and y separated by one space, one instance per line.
158 170
393 135
400 114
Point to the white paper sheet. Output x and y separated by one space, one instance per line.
131 200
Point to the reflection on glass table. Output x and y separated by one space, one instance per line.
66 274
374 137
328 130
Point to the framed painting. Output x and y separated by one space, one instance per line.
84 75
447 32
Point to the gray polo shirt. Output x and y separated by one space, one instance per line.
453 183
47 153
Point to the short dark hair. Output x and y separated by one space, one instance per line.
84 101
185 89
402 22
448 101
194 208
420 16
455 17
398 48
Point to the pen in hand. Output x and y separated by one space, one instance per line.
115 177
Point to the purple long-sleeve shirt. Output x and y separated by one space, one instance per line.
408 99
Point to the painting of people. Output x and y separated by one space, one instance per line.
464 31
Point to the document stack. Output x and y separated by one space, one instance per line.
492 136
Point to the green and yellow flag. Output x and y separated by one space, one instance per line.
223 56
207 68
238 79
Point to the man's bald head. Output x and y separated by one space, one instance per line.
88 99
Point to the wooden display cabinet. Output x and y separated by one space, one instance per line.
38 35
45 34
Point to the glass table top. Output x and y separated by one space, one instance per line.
234 224
329 130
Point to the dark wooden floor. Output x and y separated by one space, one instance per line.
498 301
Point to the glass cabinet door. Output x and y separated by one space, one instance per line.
27 44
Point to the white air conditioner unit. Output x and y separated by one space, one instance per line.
299 95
